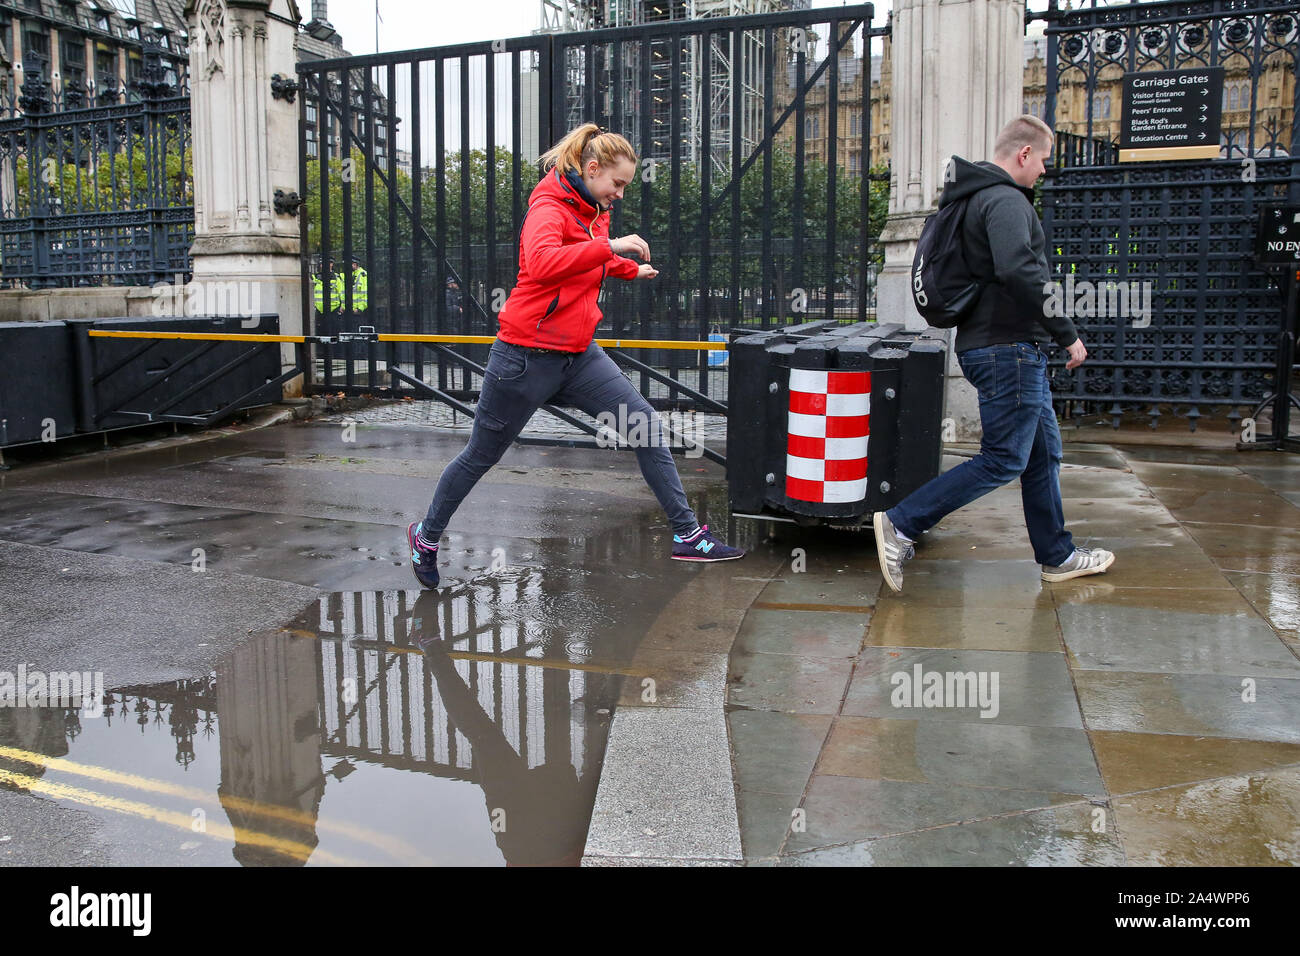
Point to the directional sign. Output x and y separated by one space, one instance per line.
1277 240
1171 114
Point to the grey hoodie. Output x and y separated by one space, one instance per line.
1005 246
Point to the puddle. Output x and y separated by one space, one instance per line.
463 727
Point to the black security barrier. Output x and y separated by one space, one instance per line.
37 382
130 381
833 422
83 376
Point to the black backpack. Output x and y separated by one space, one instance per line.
943 288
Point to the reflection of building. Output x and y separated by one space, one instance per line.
267 695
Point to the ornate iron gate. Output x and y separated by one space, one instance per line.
101 193
756 204
1182 230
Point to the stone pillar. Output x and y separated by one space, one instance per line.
245 147
958 78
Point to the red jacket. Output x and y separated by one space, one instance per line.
564 255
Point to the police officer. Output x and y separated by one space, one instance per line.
336 291
453 300
360 287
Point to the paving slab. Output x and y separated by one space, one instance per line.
904 623
993 687
1162 640
841 810
692 814
1205 705
804 633
1265 510
1247 820
795 685
1054 759
1132 762
1275 596
1055 836
775 752
1273 550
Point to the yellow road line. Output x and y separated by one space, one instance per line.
276 811
181 821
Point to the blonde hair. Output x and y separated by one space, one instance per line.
1024 130
584 144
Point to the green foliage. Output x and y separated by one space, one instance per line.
684 234
104 181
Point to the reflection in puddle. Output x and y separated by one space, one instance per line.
384 727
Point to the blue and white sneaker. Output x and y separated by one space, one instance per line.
702 546
424 561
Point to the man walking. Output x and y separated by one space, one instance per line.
1000 349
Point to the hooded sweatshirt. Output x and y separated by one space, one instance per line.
1004 245
564 256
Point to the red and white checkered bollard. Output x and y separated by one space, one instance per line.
826 445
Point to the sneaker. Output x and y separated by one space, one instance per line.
1083 561
892 549
703 546
424 561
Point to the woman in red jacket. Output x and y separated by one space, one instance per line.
545 353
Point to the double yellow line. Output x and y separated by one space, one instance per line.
214 829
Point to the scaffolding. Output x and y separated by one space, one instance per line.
734 89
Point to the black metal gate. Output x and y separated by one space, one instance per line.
1180 231
754 134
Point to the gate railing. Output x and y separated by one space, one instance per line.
1175 237
757 211
100 194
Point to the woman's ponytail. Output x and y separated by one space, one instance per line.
586 143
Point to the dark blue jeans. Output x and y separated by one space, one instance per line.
1020 440
516 383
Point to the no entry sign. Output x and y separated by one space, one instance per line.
1277 241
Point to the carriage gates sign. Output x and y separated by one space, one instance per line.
1171 114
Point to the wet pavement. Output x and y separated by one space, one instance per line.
277 690
1148 716
279 693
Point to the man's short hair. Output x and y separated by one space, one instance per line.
1024 130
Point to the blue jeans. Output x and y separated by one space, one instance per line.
1020 440
516 383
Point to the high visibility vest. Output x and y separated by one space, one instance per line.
360 290
336 293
